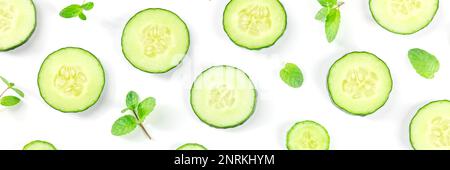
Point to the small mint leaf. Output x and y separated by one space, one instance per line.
19 92
71 11
124 125
4 80
132 100
328 3
424 63
82 16
146 107
332 24
292 75
9 101
88 6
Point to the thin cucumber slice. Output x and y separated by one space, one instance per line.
223 97
254 24
359 83
17 23
39 145
430 127
404 16
155 40
307 135
192 146
71 80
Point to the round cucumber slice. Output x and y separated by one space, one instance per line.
155 40
71 80
223 97
17 23
192 146
403 16
359 83
39 145
430 127
254 24
307 135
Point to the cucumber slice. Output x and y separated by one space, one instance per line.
155 40
17 23
223 97
192 146
307 135
359 83
254 24
39 145
403 16
71 80
430 127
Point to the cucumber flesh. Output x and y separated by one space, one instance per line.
404 16
223 97
155 40
17 23
39 145
71 80
192 146
254 24
308 135
430 127
359 83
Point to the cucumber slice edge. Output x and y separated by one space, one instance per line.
345 110
231 126
260 48
308 122
28 36
399 33
169 69
192 144
48 144
414 117
101 91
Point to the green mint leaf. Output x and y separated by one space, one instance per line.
424 63
322 14
4 80
71 11
146 107
292 75
124 125
132 100
332 24
19 92
82 16
9 101
88 6
328 3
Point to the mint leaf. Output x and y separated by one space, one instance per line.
332 24
132 100
322 14
9 101
424 63
88 6
328 3
292 75
82 16
146 107
4 80
19 92
124 125
71 11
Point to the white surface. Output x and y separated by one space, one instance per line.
173 123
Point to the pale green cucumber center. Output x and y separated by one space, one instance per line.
221 97
360 83
405 8
156 40
255 19
8 14
439 132
70 80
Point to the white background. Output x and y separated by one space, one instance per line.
173 123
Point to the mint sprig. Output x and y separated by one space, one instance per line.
10 100
76 10
140 111
331 15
